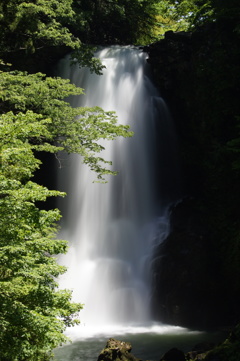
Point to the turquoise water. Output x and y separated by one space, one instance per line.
147 346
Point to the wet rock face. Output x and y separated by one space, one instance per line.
116 350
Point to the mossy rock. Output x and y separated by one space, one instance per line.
116 350
229 350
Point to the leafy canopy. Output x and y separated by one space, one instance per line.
115 21
30 26
191 13
33 313
76 130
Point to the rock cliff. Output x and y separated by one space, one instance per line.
196 270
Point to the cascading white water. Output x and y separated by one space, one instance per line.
111 226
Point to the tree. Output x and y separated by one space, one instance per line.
116 21
33 312
193 13
185 14
77 130
31 26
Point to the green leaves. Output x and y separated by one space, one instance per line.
50 123
33 313
17 132
191 13
84 56
31 25
134 21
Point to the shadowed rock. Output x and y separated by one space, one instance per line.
173 355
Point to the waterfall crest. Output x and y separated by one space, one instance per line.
111 227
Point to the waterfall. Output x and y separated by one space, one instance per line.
111 227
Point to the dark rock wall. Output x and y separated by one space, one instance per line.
196 272
185 272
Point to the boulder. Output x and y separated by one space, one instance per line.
173 355
116 350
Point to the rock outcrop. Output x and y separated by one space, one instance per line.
116 350
173 355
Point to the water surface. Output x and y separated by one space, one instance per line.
147 343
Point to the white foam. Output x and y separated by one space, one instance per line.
84 332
